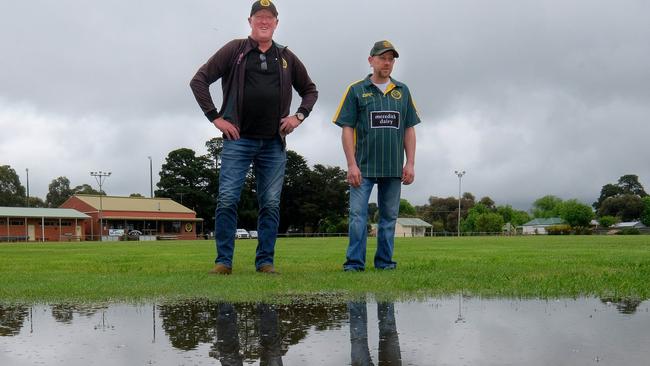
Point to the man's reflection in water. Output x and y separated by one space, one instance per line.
228 337
389 352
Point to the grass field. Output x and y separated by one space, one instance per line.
541 267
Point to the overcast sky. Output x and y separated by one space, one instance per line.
529 97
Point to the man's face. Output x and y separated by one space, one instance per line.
382 65
263 24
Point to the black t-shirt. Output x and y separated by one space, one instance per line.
261 118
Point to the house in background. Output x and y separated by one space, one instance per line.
411 227
538 226
629 225
160 218
42 224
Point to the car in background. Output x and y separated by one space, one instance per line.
242 234
253 234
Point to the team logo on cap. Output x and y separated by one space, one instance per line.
396 94
265 3
387 44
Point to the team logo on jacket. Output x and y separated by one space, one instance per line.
396 94
284 63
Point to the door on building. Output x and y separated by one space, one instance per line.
77 233
31 232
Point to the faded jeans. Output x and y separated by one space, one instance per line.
269 160
389 190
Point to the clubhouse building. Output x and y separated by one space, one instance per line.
91 217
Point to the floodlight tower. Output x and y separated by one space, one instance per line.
460 177
100 177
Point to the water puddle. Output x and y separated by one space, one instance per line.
448 331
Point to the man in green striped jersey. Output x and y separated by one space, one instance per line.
378 118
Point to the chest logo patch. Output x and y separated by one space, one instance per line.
384 119
366 95
396 94
284 63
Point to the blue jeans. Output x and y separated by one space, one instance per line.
269 160
389 190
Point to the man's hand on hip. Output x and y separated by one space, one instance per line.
230 131
288 124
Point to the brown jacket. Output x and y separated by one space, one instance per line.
228 64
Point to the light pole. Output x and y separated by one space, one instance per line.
27 171
460 177
150 176
100 177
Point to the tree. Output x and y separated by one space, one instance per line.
607 221
489 222
608 190
575 213
87 189
469 223
629 184
645 215
58 191
515 217
136 195
373 210
488 203
12 193
547 206
37 202
186 178
406 209
626 207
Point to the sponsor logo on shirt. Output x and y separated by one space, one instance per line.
384 119
366 95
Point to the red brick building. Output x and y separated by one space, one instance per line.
42 224
162 218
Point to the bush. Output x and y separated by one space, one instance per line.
581 230
559 230
629 231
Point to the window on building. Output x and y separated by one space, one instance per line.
172 227
3 221
16 222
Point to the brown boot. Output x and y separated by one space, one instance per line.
220 269
268 269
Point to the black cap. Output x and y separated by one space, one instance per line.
381 47
264 4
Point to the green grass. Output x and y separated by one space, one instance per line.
542 266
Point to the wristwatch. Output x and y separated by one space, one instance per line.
300 116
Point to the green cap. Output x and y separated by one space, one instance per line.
381 47
264 4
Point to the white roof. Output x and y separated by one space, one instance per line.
48 213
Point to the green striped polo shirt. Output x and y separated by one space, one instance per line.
379 120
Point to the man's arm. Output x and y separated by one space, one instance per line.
408 172
354 174
216 67
307 91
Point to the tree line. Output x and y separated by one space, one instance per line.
315 199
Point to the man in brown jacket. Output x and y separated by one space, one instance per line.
257 76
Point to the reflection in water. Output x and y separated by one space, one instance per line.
246 332
491 332
11 319
227 348
389 351
624 306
